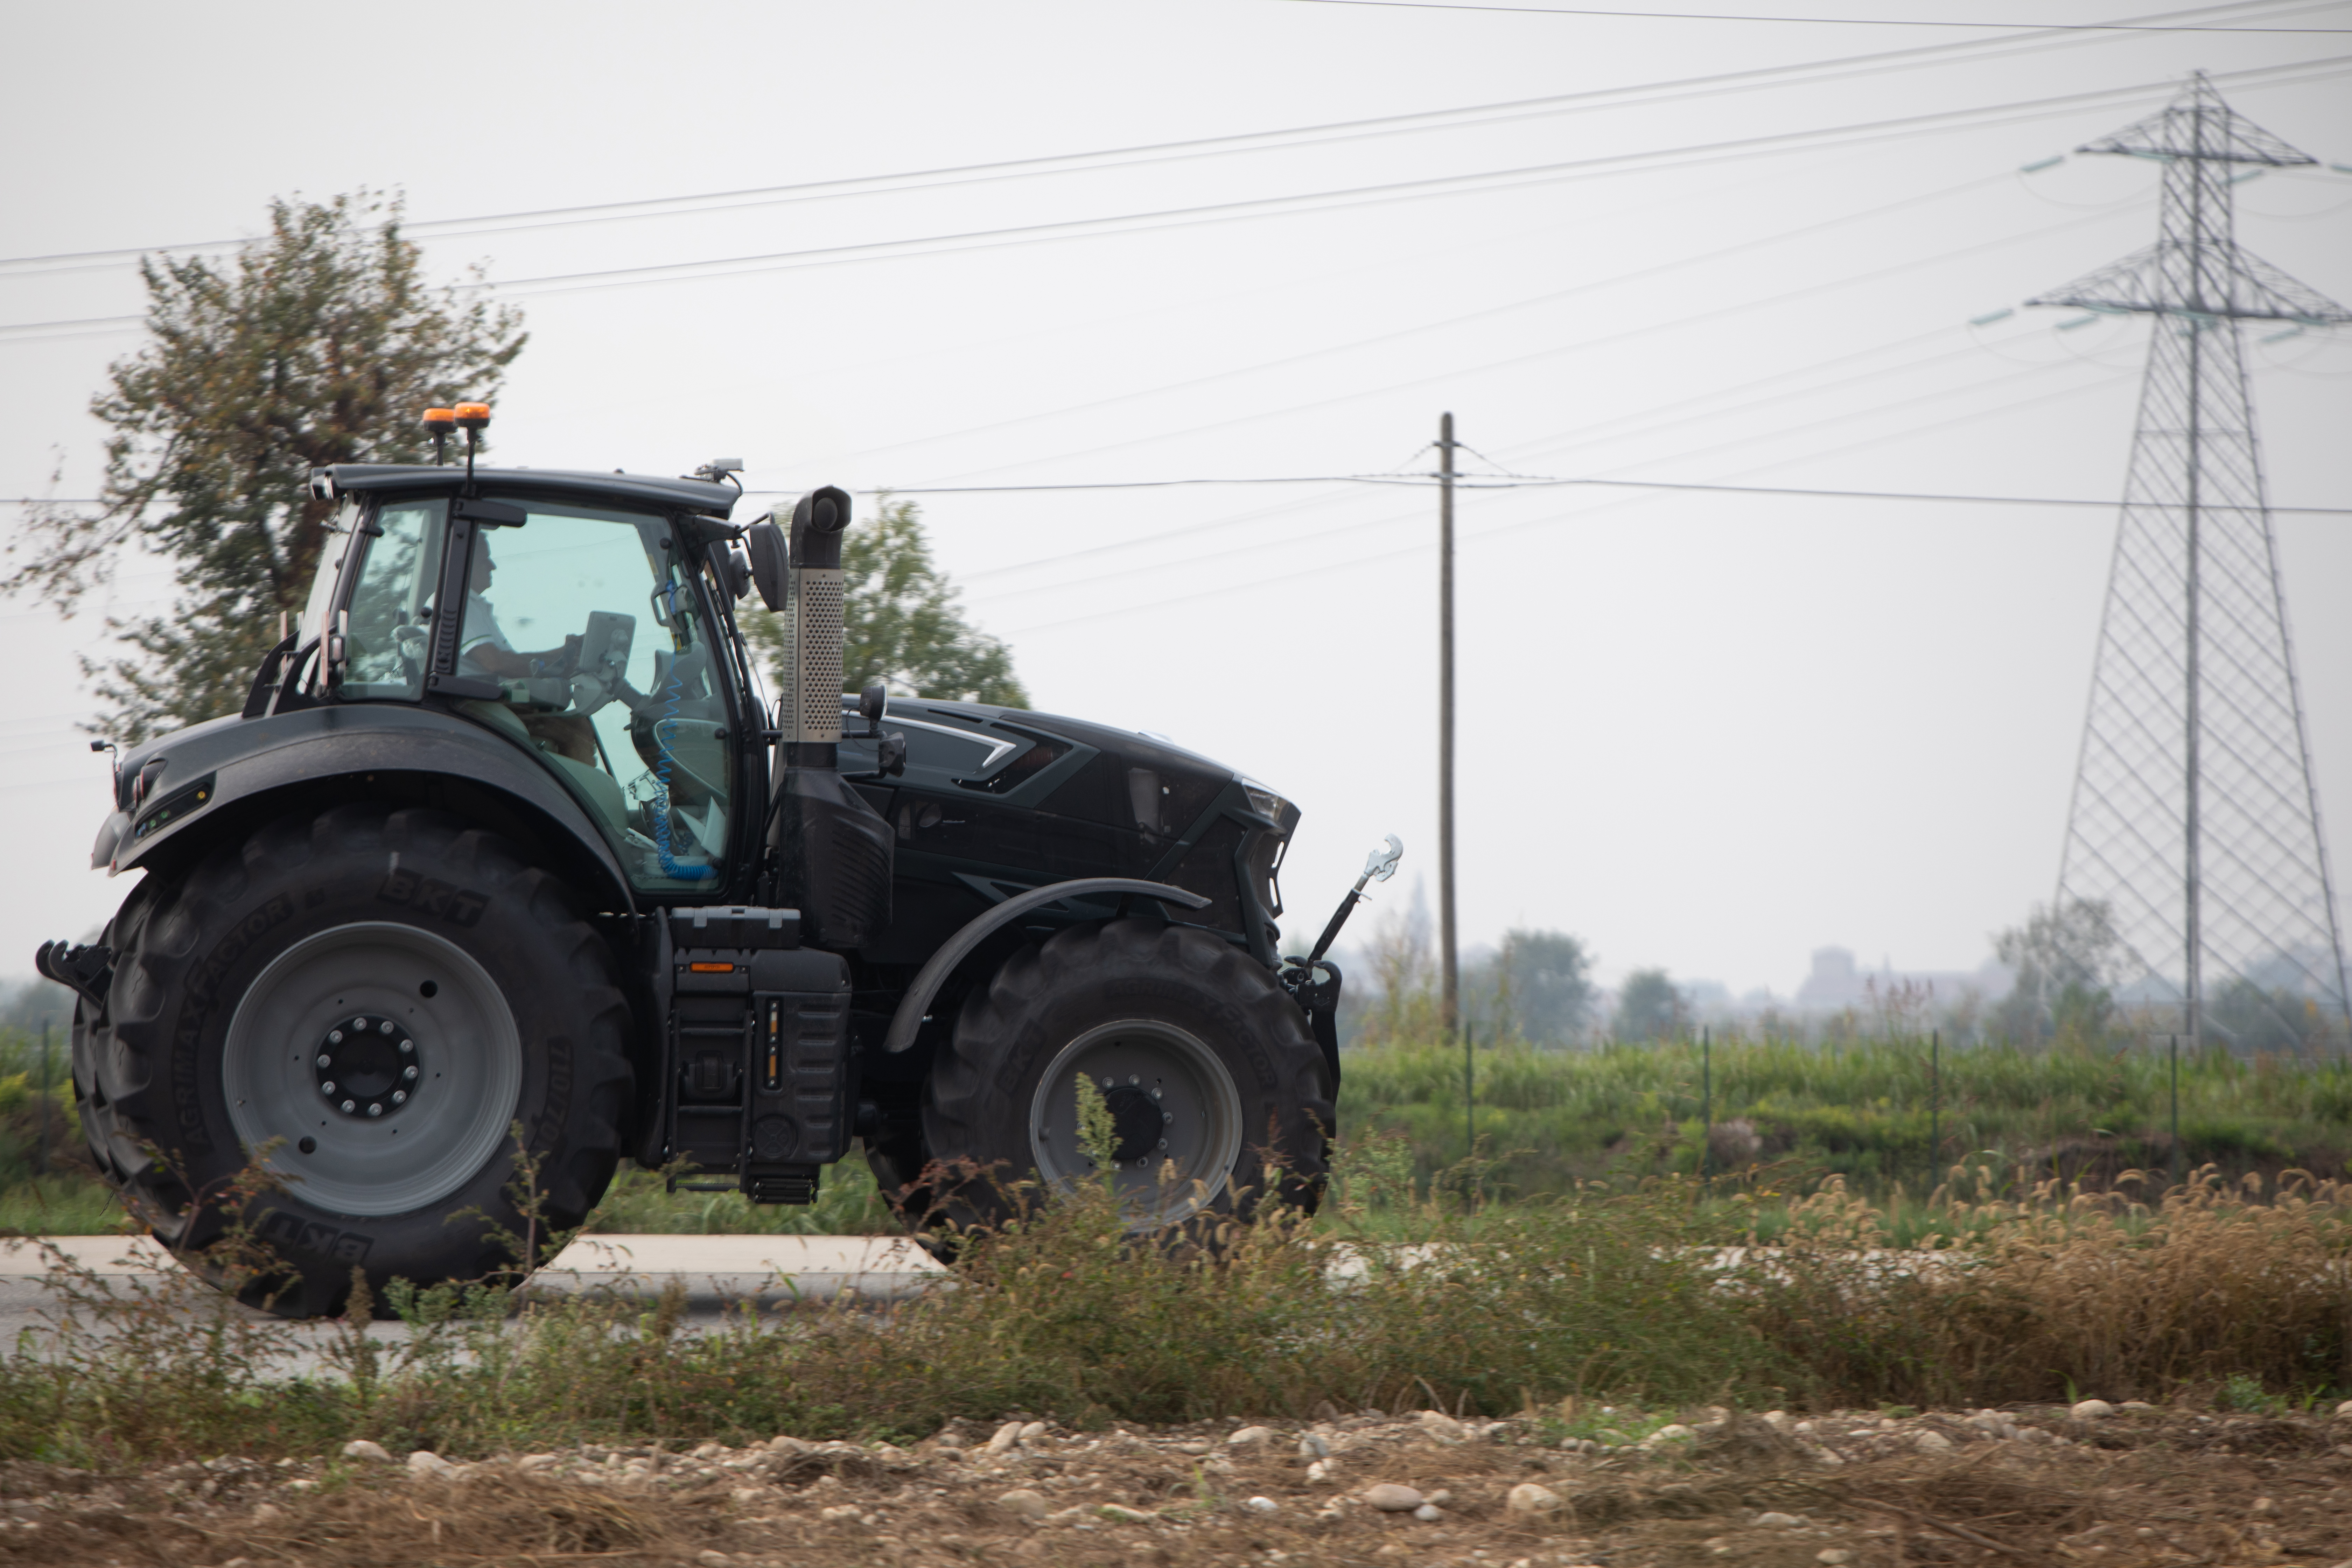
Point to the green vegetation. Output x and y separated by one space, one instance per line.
849 1205
1547 1119
47 1186
1559 1306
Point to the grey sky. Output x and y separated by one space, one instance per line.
1705 731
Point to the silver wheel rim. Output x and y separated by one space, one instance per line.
1134 1063
468 1054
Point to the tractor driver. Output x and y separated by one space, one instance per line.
484 653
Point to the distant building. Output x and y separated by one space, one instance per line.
1837 981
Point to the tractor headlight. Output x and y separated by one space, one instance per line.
1267 803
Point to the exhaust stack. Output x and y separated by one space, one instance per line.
810 721
834 850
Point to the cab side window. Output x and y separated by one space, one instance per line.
391 604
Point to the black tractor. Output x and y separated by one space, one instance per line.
509 835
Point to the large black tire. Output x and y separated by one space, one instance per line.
468 993
1202 1059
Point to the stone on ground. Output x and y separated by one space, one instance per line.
1390 1497
1531 1500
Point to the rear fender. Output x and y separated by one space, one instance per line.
236 773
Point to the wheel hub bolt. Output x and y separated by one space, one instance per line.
376 1066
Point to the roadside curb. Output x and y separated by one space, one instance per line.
715 1269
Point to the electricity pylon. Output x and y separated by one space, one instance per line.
2194 819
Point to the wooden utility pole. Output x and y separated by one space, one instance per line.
1449 970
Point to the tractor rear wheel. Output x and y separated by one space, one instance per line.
1218 1095
368 1002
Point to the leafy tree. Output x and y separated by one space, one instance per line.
1543 983
901 622
2065 958
319 342
1648 1007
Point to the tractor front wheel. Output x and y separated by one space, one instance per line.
1217 1094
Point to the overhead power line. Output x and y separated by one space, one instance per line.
1805 21
1646 421
1552 296
1477 183
2031 39
1327 565
1546 482
1818 287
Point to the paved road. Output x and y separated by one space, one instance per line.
716 1270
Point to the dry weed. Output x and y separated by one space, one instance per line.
2066 1291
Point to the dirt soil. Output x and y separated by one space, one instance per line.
2138 1486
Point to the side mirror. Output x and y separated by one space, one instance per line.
873 702
739 571
763 542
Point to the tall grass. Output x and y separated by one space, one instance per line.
2063 1292
1492 1308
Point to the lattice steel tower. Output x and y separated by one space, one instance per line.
2194 815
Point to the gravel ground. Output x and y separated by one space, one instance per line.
2122 1486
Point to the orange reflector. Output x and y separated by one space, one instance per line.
472 416
440 421
710 968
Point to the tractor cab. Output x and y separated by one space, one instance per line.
581 615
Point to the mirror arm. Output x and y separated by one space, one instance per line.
1378 867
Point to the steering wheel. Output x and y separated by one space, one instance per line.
408 646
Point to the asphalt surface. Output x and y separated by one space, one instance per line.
716 1271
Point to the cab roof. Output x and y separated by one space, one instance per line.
416 479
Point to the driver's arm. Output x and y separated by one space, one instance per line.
483 648
506 663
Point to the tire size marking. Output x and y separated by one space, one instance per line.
202 985
557 1107
459 906
1227 1020
284 1229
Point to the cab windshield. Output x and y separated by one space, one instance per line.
588 624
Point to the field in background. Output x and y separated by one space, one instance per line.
1877 1113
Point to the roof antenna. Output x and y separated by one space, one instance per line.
440 421
472 418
